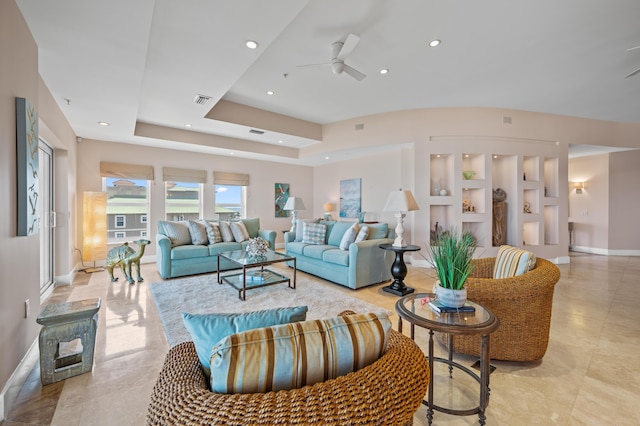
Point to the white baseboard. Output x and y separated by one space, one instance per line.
17 379
605 252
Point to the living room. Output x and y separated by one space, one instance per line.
391 154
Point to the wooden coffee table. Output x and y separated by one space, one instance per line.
254 274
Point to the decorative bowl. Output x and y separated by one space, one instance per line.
468 174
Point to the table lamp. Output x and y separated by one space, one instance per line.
294 204
328 208
400 202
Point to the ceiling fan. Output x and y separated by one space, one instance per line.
339 51
636 71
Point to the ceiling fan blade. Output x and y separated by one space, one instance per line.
633 48
313 65
348 46
626 76
357 74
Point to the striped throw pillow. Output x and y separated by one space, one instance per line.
225 231
290 356
198 232
178 232
512 261
239 231
313 233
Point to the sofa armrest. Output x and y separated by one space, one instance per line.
269 236
163 255
372 264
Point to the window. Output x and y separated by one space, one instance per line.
121 221
230 201
143 233
127 207
182 200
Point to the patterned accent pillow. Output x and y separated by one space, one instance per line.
291 356
300 227
313 233
208 329
198 231
239 231
362 234
225 231
213 232
349 236
178 232
512 261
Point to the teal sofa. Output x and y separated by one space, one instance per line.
363 263
188 259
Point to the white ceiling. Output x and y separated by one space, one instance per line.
144 61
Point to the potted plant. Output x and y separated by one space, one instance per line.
451 256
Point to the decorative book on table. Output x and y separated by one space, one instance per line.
258 276
437 306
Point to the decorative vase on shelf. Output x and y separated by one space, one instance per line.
468 174
436 186
361 216
450 297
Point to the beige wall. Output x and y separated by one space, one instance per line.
260 194
624 201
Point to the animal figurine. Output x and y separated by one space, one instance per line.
124 256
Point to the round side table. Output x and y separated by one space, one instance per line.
415 309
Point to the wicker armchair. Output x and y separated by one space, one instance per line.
387 392
523 306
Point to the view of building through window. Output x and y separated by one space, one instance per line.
230 201
182 200
127 209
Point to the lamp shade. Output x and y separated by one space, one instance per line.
294 203
401 201
94 226
328 207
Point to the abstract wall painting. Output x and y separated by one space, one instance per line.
350 197
27 167
281 197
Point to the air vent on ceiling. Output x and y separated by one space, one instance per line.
201 99
256 132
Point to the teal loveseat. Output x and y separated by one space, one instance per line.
178 257
357 265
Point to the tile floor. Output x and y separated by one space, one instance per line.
589 376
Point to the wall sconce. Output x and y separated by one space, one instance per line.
579 186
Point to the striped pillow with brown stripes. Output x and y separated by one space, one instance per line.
512 261
290 356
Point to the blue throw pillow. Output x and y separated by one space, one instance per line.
208 329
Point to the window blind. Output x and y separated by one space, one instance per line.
128 171
172 174
228 178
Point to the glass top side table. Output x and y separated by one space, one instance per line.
415 309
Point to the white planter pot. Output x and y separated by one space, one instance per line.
449 297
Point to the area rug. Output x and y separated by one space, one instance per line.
202 294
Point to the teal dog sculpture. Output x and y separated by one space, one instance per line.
124 256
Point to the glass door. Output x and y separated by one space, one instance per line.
47 217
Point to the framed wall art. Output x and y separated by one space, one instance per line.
27 167
350 197
281 194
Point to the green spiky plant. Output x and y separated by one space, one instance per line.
451 256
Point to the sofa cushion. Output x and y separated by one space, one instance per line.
216 248
337 232
239 231
313 233
290 356
189 251
512 261
296 248
377 231
300 227
213 232
225 231
363 233
339 257
198 231
349 236
208 329
177 232
316 251
253 226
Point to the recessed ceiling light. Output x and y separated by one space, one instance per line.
231 153
280 141
187 125
326 158
384 71
251 44
434 43
270 92
103 123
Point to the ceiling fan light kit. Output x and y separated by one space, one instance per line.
339 51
